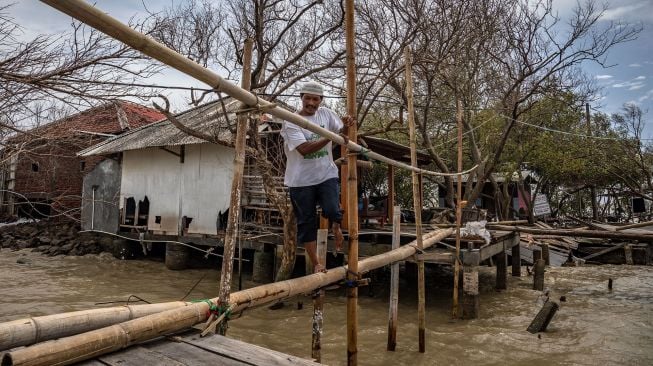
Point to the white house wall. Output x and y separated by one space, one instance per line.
199 188
206 174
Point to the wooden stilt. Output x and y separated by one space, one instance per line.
628 252
318 299
537 254
516 257
470 292
545 254
352 191
417 203
236 189
459 212
538 275
394 281
501 260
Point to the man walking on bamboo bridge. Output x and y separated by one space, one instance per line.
311 174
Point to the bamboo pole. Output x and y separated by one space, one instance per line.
352 191
318 300
417 202
459 191
97 19
236 188
578 233
394 281
91 344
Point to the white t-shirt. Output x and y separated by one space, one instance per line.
314 168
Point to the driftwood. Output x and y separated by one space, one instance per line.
87 345
583 233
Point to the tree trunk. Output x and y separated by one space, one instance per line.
289 247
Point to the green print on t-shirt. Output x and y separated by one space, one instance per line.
317 154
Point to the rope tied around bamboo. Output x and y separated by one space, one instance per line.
217 315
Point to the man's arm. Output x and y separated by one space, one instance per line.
309 147
313 146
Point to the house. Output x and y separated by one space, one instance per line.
42 175
170 183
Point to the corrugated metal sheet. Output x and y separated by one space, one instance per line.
207 118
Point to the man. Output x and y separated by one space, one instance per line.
311 174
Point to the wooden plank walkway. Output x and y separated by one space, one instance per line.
191 350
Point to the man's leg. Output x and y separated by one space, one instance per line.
328 196
311 249
304 201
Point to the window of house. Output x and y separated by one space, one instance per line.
82 165
35 167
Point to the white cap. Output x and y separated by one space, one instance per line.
312 87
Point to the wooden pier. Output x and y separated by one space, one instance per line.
189 350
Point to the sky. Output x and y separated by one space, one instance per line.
628 79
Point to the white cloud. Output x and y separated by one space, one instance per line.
641 77
635 65
647 96
637 11
603 77
633 84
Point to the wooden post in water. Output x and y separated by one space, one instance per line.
352 192
417 202
628 252
470 292
394 281
318 299
538 275
502 270
516 256
545 254
236 191
459 209
544 316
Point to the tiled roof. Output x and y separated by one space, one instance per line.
110 118
207 118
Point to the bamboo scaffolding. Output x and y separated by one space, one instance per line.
417 201
318 300
394 282
459 210
97 19
87 345
236 190
352 192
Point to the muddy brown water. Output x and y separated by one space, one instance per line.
594 327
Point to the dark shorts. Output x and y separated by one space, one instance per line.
304 202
